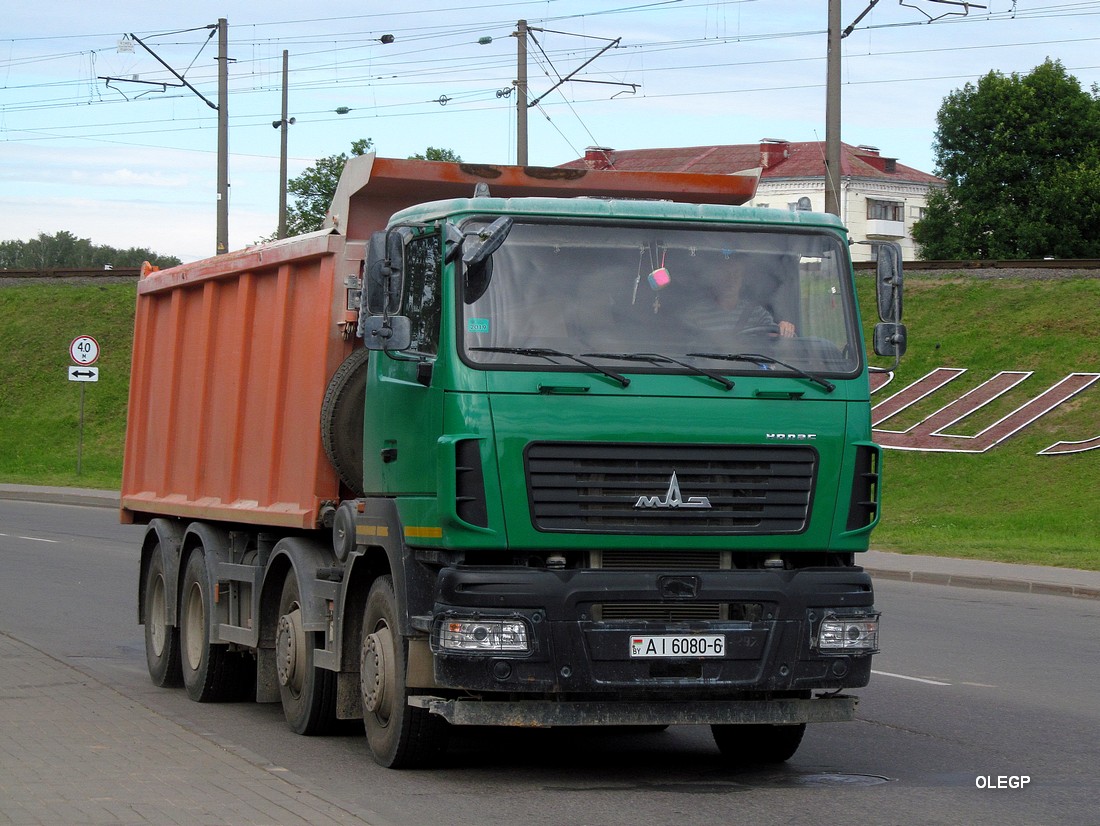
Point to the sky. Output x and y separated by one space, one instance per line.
99 139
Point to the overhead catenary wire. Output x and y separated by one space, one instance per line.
455 76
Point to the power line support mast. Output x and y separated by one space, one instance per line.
832 113
223 137
832 86
221 107
523 32
521 93
284 125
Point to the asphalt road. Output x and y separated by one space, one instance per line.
972 686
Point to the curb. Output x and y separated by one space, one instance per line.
989 583
922 569
88 497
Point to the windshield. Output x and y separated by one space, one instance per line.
695 296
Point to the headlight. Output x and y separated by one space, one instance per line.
853 634
506 636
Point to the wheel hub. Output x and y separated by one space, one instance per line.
194 627
155 616
376 670
290 642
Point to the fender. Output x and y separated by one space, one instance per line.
305 556
169 534
215 543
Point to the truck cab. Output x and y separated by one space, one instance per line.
627 447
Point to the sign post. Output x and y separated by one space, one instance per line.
84 350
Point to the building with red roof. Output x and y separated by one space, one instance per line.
880 199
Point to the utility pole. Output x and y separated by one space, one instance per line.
223 137
522 33
221 107
285 125
521 93
832 112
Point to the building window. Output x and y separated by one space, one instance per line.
885 210
917 212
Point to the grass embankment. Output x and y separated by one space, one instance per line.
40 407
1007 504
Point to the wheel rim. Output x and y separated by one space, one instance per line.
157 616
194 626
378 677
290 643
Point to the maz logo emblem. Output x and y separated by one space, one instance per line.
673 498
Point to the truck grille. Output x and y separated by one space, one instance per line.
584 487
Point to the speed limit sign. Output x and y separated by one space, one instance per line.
84 350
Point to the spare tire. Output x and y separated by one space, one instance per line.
342 419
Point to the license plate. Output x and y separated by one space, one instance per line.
673 645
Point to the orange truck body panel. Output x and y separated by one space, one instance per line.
232 354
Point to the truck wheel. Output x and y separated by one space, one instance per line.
758 743
308 693
162 638
400 736
342 419
208 670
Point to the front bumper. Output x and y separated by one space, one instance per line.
536 714
575 653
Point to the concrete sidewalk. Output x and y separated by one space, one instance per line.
978 573
75 751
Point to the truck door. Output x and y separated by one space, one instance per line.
402 408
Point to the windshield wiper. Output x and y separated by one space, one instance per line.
756 358
657 358
548 353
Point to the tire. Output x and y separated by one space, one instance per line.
342 419
210 673
162 635
399 735
747 744
308 693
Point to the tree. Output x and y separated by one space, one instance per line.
314 189
1021 158
434 154
63 249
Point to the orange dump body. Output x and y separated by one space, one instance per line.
232 354
231 359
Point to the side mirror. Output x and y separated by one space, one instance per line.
385 272
386 332
890 340
488 241
888 280
477 257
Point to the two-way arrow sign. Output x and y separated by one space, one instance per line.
78 373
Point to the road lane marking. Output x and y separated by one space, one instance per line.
31 538
904 677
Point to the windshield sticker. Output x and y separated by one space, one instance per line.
477 325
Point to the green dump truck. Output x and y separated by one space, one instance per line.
517 461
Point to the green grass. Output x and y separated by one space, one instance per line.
40 407
1007 504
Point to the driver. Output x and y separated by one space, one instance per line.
735 310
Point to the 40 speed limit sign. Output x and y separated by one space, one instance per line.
84 350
